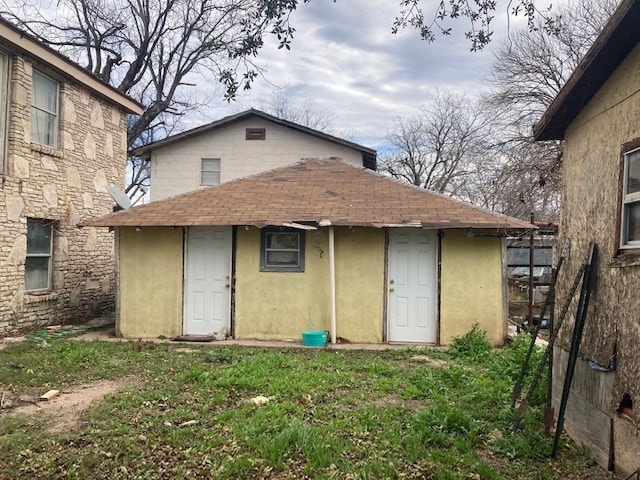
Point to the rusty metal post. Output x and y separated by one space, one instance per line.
531 258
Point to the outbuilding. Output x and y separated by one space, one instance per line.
317 245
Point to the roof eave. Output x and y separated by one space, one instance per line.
25 42
618 37
238 117
114 220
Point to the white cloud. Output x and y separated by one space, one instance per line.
345 58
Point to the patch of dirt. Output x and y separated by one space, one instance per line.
396 401
434 362
63 411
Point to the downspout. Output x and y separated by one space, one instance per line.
332 283
332 279
116 247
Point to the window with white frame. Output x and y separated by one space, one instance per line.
282 250
44 110
4 71
37 266
630 220
210 171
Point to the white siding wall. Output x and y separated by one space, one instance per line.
175 168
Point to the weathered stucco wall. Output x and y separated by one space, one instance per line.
281 305
591 183
590 206
176 168
150 289
65 184
471 286
360 289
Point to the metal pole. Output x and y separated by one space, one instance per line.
581 315
531 258
548 351
332 283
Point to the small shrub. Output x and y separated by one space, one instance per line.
471 346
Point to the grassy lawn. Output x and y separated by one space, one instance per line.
414 413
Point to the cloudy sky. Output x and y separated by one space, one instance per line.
346 60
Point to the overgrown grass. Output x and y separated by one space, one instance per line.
332 414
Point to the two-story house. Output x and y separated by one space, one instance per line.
63 139
237 146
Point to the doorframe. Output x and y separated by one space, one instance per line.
440 236
232 282
185 252
385 286
438 260
185 283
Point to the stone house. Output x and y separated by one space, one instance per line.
597 114
62 141
242 144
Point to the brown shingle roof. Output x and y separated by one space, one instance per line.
311 191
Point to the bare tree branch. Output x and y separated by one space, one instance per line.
149 49
433 150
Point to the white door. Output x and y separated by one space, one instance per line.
207 280
412 285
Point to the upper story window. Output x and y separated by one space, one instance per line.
210 171
4 74
44 110
630 221
256 134
282 250
37 265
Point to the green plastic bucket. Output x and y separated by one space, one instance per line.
314 338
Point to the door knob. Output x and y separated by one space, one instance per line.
391 290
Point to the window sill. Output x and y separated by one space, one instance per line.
626 258
54 152
282 270
38 297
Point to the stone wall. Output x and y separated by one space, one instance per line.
66 185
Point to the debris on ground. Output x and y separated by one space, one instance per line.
435 362
260 400
188 423
44 337
49 395
220 335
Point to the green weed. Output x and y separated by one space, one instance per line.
345 414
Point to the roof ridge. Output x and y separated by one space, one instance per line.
259 113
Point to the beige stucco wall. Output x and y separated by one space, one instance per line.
65 184
150 288
591 183
281 305
360 267
176 168
589 213
471 286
